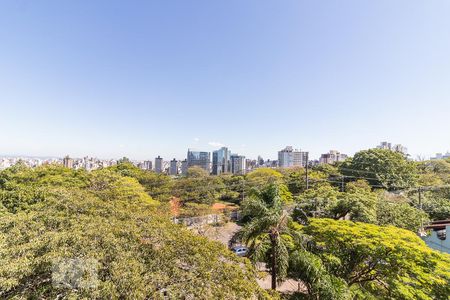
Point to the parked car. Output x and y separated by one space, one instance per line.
240 250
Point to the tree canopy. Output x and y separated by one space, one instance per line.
382 262
105 227
382 168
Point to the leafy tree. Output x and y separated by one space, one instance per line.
257 181
159 186
358 203
114 228
198 187
397 211
261 177
435 202
308 268
439 168
267 232
233 188
319 201
380 262
294 179
382 168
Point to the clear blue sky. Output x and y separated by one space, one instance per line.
142 78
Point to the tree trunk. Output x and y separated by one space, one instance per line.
274 262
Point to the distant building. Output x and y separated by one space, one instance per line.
147 165
238 164
332 157
441 156
288 157
173 169
438 236
199 159
68 162
184 167
260 161
251 164
221 161
397 147
158 164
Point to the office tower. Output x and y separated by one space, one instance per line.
147 165
173 168
238 164
221 161
68 162
158 164
184 167
397 147
332 157
288 157
385 145
441 156
200 159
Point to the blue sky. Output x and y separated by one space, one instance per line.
146 78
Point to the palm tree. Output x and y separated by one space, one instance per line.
266 232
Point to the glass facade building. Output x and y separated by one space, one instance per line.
200 159
221 161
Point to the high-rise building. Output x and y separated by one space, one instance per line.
68 162
158 164
397 147
288 157
221 161
238 164
147 165
332 157
173 169
184 167
441 156
200 159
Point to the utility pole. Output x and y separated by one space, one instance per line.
420 198
306 171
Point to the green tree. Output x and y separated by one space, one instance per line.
257 180
397 211
380 262
358 203
158 186
319 201
382 168
233 188
113 227
198 187
267 232
308 268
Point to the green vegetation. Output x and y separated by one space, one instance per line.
106 222
267 232
383 168
380 262
349 232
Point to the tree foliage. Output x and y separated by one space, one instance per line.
105 222
380 262
267 231
382 168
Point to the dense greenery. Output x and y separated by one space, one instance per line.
383 168
267 230
380 262
347 231
105 221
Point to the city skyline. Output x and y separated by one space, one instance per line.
272 156
110 79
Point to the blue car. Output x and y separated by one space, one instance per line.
240 250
